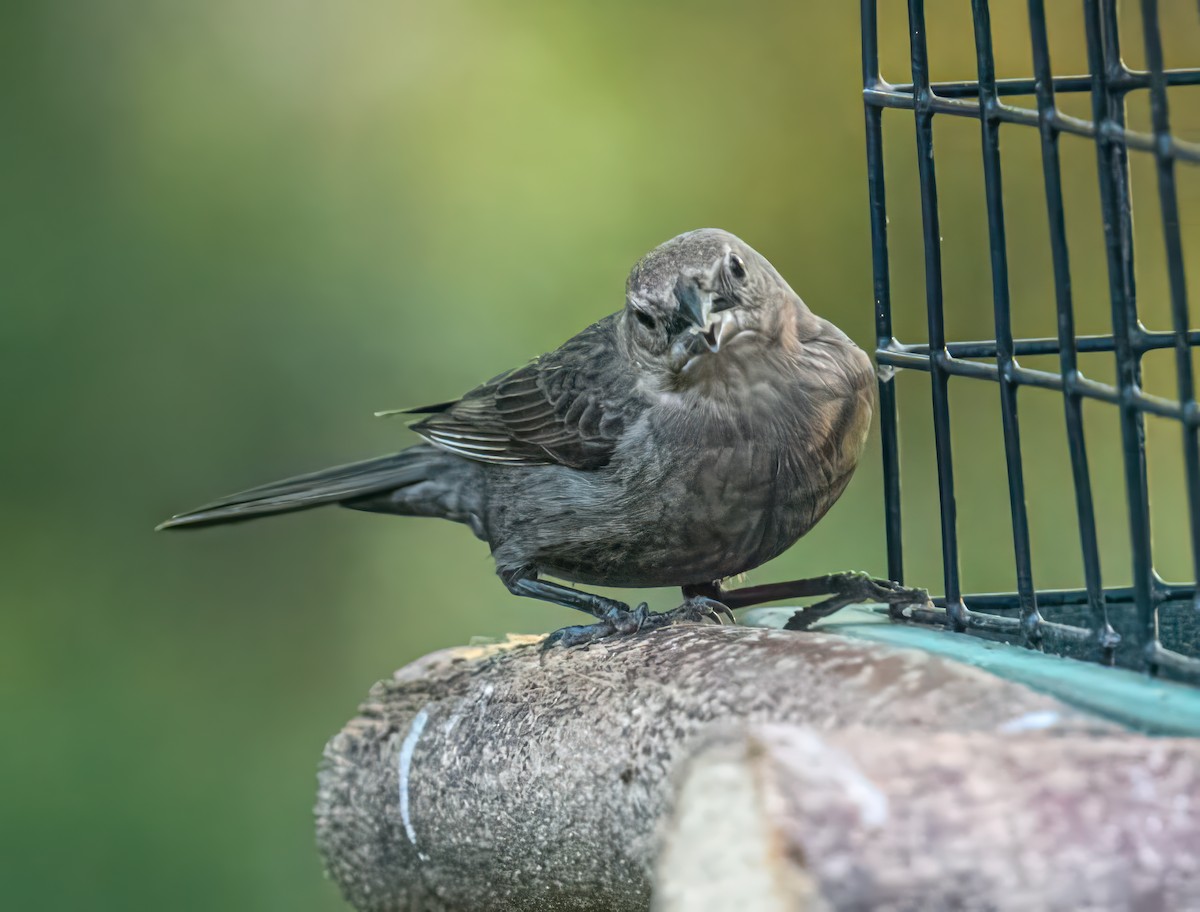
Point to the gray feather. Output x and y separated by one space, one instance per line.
303 492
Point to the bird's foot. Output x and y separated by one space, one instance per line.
855 588
695 610
616 622
865 588
698 609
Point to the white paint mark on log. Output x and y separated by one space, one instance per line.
1031 721
871 800
406 752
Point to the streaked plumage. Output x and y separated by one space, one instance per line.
691 436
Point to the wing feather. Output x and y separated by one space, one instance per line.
568 407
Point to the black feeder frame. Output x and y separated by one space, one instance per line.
1074 622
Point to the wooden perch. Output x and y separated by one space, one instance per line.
864 820
511 777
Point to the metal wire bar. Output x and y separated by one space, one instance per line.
1144 341
1161 657
1060 598
1109 81
1031 620
1067 343
888 413
1169 204
991 623
1128 79
1113 132
1075 384
1108 106
955 608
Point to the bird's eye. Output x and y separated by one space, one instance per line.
644 318
737 268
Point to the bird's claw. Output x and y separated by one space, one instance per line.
865 588
722 612
616 622
698 609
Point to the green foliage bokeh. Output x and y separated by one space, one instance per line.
230 231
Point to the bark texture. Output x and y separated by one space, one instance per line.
512 777
867 820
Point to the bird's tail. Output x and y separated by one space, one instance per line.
334 485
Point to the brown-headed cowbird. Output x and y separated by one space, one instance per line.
693 435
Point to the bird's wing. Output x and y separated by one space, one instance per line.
567 407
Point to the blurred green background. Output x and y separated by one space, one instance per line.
229 231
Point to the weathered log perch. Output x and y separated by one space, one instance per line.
864 820
511 777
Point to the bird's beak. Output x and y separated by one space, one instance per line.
693 304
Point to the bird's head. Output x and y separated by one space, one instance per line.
706 302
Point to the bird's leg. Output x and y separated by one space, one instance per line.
854 587
613 617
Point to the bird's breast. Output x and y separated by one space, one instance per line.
700 488
752 471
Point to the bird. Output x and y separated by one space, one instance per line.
689 437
